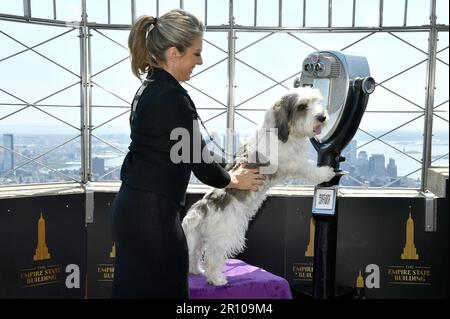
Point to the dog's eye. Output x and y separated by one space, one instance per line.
302 107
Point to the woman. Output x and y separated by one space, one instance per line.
151 250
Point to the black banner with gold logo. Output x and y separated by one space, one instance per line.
42 247
383 250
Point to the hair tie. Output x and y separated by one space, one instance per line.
151 27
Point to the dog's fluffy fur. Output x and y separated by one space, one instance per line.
215 226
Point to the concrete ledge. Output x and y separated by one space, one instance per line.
279 191
437 181
28 190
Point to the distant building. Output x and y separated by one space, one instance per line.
362 164
98 166
377 165
350 152
236 142
391 169
8 156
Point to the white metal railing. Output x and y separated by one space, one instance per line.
230 107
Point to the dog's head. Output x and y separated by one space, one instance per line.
299 113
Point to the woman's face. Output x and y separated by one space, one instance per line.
185 63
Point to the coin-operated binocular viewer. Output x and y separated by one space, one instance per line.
345 83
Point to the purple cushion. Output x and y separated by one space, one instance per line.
244 282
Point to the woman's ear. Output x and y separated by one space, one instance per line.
173 53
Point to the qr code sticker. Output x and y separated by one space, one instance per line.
324 199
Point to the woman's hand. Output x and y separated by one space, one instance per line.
245 178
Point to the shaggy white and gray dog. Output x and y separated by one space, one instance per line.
215 226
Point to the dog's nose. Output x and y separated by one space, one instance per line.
321 118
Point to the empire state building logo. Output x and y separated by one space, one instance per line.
410 251
112 253
41 249
310 248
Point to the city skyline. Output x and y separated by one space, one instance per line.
364 167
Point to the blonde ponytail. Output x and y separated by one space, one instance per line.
140 58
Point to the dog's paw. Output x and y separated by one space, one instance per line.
326 173
218 280
196 270
195 266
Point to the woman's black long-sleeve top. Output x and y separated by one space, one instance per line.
163 106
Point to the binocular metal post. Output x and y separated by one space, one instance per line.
345 83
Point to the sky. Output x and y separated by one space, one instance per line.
276 57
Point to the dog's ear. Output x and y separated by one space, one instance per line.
281 122
281 114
